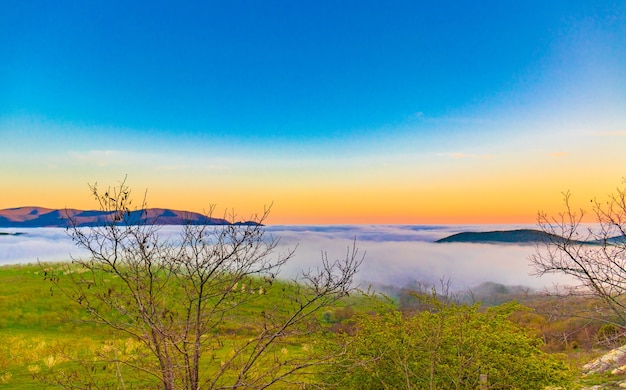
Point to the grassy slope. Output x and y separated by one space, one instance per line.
39 323
36 322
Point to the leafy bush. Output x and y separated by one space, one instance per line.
449 346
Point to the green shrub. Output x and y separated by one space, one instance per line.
449 346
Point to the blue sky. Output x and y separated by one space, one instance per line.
326 96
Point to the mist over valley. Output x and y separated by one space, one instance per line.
395 255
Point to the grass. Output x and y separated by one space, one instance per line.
43 332
37 323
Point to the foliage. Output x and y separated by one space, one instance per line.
450 346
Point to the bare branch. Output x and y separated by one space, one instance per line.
174 296
595 257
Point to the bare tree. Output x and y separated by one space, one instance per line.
595 255
177 297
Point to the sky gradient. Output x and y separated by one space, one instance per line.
337 112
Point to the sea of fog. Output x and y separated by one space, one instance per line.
397 255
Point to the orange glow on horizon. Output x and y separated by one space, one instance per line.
506 201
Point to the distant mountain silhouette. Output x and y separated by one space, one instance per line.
43 217
519 236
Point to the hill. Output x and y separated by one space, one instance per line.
519 236
43 217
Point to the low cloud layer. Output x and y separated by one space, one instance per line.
402 255
394 255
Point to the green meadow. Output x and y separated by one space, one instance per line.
37 325
43 334
47 341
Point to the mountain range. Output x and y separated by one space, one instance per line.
43 217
